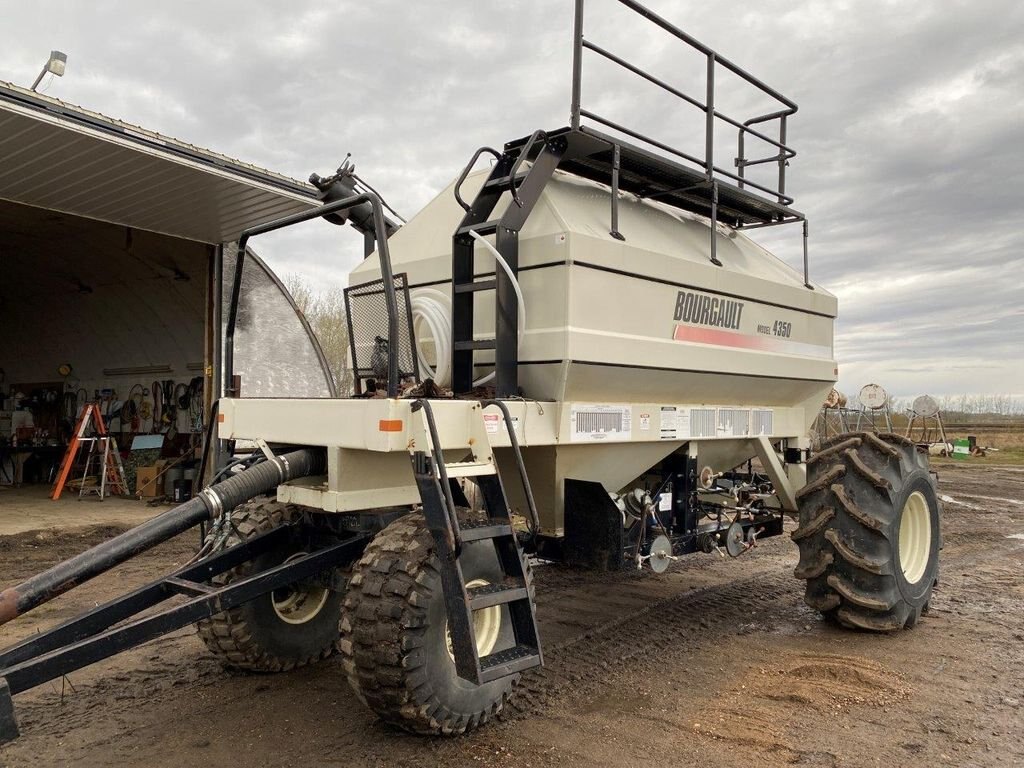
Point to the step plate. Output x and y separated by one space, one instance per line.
481 532
509 662
497 594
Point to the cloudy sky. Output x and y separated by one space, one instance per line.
910 132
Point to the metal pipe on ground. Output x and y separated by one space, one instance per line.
211 502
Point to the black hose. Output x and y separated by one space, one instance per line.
211 502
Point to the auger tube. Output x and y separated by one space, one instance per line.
209 503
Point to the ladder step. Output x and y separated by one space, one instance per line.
504 181
486 531
505 663
497 594
483 228
462 346
479 285
470 468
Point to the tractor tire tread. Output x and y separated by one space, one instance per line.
848 532
228 634
382 650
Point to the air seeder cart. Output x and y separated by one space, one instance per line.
577 356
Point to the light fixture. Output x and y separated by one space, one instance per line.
55 65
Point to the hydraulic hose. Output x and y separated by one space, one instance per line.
434 308
210 502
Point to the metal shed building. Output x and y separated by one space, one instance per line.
113 243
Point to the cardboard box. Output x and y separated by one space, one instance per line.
147 485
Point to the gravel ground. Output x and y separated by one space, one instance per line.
715 663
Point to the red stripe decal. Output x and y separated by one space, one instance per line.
722 338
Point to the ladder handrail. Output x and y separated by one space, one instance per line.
465 174
438 460
520 465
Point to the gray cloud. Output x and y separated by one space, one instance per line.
910 132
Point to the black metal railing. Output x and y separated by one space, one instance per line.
775 120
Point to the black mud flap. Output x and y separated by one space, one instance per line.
593 527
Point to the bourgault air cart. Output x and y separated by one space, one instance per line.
620 354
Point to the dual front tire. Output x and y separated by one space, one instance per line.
390 625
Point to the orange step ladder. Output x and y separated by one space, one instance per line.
91 417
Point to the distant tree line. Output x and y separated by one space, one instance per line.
954 406
325 313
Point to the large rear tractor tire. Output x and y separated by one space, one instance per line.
285 629
869 532
394 634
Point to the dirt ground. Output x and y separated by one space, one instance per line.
715 663
30 508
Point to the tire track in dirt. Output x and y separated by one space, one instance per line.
680 624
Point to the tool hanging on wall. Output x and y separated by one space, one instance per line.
90 418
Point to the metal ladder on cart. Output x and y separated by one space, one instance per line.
525 188
441 494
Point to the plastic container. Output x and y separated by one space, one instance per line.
182 491
173 475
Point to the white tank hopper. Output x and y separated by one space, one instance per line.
721 353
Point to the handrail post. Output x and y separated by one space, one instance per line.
807 278
709 125
714 224
616 167
577 66
741 160
782 160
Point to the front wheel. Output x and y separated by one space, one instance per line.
394 633
869 532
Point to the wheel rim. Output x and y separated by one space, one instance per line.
915 537
486 626
298 603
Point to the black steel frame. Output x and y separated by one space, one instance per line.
525 188
229 387
117 625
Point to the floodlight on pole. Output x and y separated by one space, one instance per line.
56 65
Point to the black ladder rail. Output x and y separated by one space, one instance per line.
450 527
531 505
442 521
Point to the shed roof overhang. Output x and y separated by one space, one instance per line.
64 158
